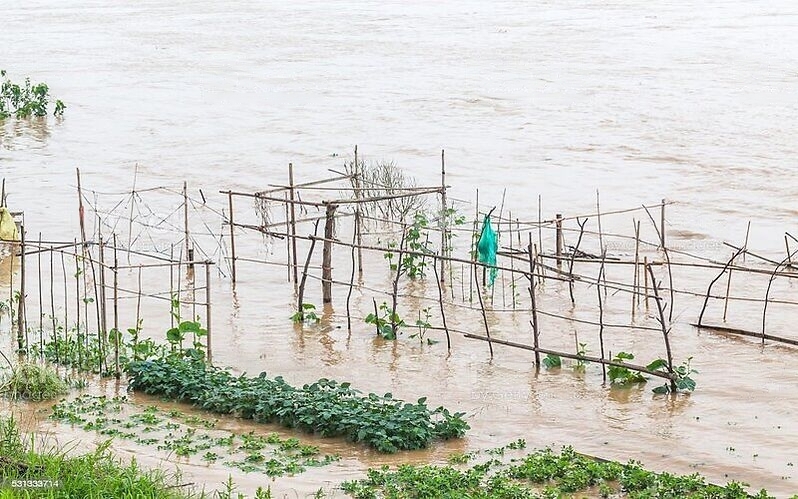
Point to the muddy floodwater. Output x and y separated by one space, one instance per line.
696 104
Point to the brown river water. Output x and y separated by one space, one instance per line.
697 104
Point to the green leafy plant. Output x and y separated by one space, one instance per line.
581 363
551 361
26 100
423 326
683 381
306 315
385 322
326 407
622 375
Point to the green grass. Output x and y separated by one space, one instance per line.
33 381
96 475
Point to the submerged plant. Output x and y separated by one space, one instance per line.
306 315
387 323
551 361
683 376
622 375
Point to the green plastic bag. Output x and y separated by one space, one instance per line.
487 248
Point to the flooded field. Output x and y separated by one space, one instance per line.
696 105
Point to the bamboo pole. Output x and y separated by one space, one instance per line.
358 218
728 288
712 283
355 248
52 308
208 322
558 223
482 308
443 313
138 315
598 218
77 312
394 295
232 237
601 317
664 325
301 291
329 232
66 298
645 278
22 331
535 323
103 304
41 300
187 235
662 225
444 216
291 195
117 333
636 225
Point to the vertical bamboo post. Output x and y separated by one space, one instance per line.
662 224
540 224
52 306
187 235
789 255
232 236
301 293
636 277
66 297
132 207
3 194
358 221
558 222
535 325
354 248
728 287
103 304
41 300
395 293
172 284
645 274
79 337
138 315
444 217
326 271
601 316
293 222
443 313
482 308
208 323
81 212
117 334
512 261
598 220
22 331
474 242
287 239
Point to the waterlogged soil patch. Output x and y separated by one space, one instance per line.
186 436
543 474
326 407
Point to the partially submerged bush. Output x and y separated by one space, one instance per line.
24 101
33 381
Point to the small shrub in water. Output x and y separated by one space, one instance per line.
33 381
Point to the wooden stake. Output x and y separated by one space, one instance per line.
41 301
77 311
598 218
663 324
636 277
645 277
395 294
326 270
